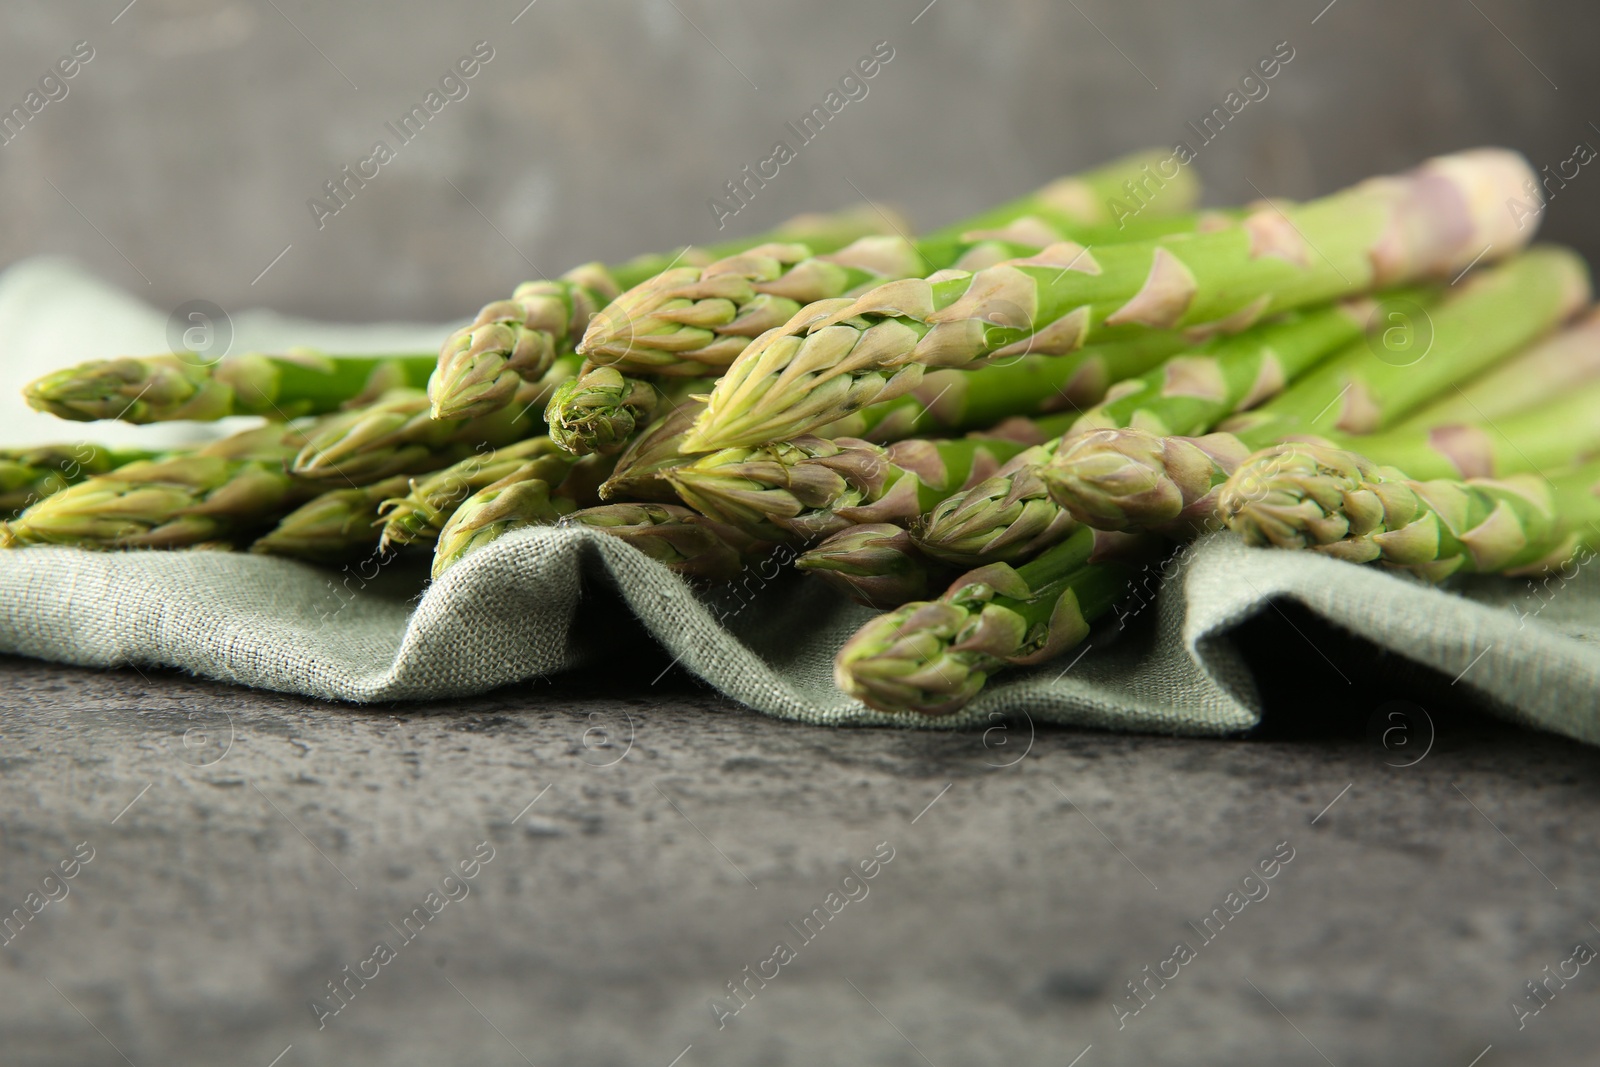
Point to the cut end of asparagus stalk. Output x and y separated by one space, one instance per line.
599 411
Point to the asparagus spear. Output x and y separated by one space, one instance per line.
808 488
1128 478
933 657
876 564
695 319
28 475
416 513
689 544
481 366
1569 359
518 500
946 401
146 389
1342 504
601 410
639 471
337 525
220 492
396 435
835 357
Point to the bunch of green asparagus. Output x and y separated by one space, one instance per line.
984 433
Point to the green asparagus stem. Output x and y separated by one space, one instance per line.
146 389
1129 478
396 435
1481 322
481 366
1193 392
1538 439
689 544
808 488
221 492
336 526
1342 504
696 319
933 657
417 513
28 475
639 471
1135 480
835 357
518 500
876 564
1567 360
1011 517
948 400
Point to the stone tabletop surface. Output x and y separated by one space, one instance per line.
575 871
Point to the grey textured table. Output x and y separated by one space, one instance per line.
651 842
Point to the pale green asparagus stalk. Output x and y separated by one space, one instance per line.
337 525
416 514
1133 480
145 389
28 475
482 365
519 500
639 474
695 319
808 488
933 657
1342 504
396 435
1568 360
836 357
1130 478
876 564
687 543
946 401
224 491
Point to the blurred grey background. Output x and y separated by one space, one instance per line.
180 162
